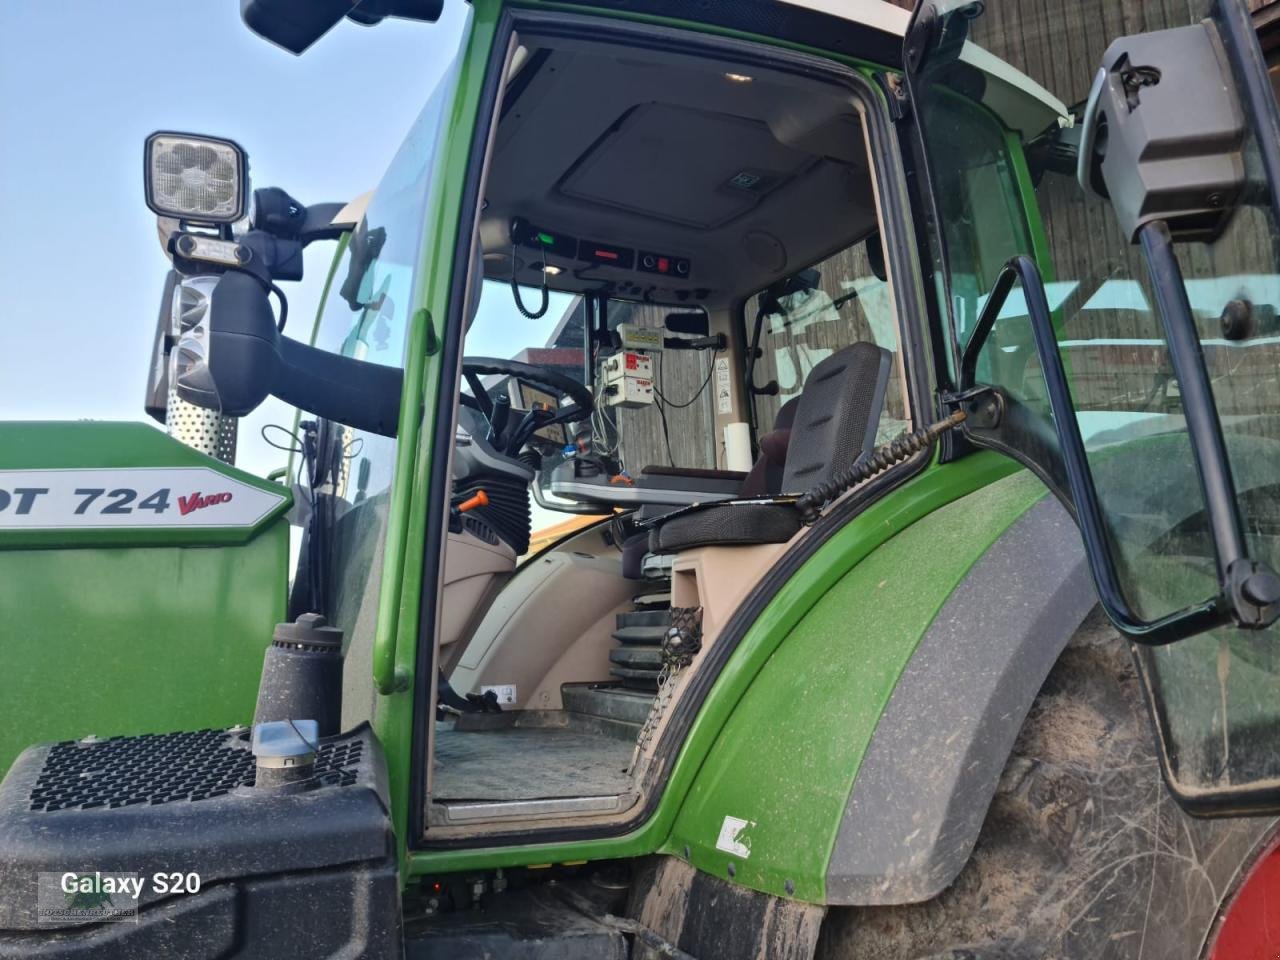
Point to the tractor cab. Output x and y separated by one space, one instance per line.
681 329
655 483
677 319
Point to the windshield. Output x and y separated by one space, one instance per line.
677 429
346 474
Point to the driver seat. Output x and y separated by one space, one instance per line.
834 428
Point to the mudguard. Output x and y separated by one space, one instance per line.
932 766
858 765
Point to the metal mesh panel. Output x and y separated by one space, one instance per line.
210 433
163 768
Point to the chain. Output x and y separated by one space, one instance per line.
681 643
666 691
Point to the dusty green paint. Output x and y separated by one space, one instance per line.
59 445
131 631
787 757
1026 190
118 640
847 548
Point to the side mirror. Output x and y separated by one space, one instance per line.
237 358
296 26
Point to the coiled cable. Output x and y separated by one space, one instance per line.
879 460
515 290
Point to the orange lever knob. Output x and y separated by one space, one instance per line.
479 499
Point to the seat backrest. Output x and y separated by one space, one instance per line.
837 416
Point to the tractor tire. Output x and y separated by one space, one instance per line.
1084 853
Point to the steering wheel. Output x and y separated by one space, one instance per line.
496 409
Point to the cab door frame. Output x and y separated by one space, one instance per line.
643 832
1050 443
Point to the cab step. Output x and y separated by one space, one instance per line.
607 702
647 636
638 657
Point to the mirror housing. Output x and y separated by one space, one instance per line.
296 26
238 359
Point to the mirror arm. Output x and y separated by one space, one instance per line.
987 322
1251 587
1203 426
1093 528
357 393
319 224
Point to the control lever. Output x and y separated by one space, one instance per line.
498 417
473 502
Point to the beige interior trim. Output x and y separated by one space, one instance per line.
553 624
718 579
474 573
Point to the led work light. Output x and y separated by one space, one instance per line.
196 178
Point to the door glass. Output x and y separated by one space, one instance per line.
1217 696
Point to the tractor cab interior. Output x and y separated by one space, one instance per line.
679 297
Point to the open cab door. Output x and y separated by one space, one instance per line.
1112 282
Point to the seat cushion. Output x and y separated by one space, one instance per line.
727 525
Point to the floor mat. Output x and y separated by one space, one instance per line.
529 763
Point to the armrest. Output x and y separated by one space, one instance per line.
694 472
726 483
668 491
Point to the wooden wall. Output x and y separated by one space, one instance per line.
679 375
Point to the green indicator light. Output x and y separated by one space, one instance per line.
546 239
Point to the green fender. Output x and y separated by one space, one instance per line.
846 552
767 803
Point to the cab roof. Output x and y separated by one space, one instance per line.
1022 103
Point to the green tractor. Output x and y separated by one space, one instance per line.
770 480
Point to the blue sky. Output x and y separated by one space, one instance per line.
82 83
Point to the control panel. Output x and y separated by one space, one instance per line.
599 252
627 379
